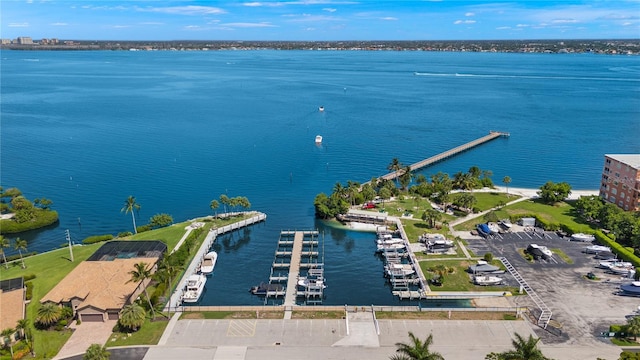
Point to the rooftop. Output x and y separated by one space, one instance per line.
632 160
11 302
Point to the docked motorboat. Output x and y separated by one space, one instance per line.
390 241
311 283
429 237
209 263
630 289
195 287
390 247
265 288
486 280
395 270
609 263
624 270
539 251
594 249
482 267
582 237
318 139
438 245
605 255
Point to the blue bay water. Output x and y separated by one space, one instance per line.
177 129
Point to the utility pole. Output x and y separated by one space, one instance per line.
69 240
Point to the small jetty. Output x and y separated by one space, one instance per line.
446 154
296 264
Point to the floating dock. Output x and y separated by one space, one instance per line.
443 155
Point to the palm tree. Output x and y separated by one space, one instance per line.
48 314
132 316
522 350
633 327
96 352
416 350
21 245
6 338
129 205
4 243
139 274
506 180
214 205
394 166
24 326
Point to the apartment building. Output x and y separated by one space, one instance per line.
620 183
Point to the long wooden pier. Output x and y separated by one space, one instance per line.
294 270
443 155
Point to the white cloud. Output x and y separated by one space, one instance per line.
249 25
564 21
331 10
503 28
458 22
151 23
312 18
469 14
522 25
59 24
24 24
121 26
389 18
186 10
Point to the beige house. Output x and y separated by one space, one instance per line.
97 289
12 305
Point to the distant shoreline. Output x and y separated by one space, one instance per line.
582 46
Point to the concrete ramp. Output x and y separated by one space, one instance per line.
362 331
230 353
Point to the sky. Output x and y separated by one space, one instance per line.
319 20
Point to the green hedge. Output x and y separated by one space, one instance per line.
42 218
617 249
97 238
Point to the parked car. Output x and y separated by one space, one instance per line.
369 205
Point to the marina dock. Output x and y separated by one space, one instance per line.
446 154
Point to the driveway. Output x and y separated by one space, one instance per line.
84 335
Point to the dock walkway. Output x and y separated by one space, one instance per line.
443 155
294 270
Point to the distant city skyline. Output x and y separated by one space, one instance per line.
318 20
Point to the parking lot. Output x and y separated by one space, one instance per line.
583 308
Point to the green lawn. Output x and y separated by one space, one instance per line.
460 279
170 235
149 334
562 255
488 200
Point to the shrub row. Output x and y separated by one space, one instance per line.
622 252
42 218
97 238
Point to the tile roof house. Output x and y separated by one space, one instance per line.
98 289
12 304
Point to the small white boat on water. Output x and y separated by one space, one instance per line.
318 139
321 108
487 280
395 270
582 237
209 263
311 283
195 287
390 247
390 241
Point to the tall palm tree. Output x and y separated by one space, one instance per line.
395 165
129 206
48 314
214 205
23 326
416 350
139 274
4 243
21 245
522 350
633 327
506 180
132 316
96 352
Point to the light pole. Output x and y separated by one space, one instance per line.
69 240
